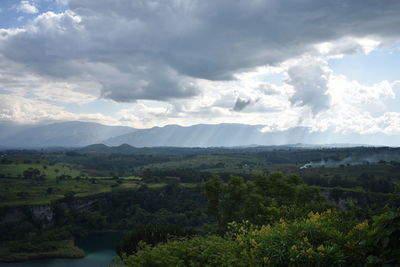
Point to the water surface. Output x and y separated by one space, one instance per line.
100 250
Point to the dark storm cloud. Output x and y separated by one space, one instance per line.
151 49
241 103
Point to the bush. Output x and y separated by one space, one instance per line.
319 240
151 234
384 240
198 251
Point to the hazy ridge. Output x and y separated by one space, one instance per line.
80 134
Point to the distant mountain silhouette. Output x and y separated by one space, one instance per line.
228 135
201 135
80 134
65 134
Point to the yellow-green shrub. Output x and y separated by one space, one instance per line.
198 251
320 239
317 240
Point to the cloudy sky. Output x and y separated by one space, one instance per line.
321 64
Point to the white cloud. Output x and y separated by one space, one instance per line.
357 108
310 83
28 7
348 45
353 92
45 88
187 62
353 107
158 49
390 123
23 110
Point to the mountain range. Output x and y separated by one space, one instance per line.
63 134
80 134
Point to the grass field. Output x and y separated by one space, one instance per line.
127 178
50 171
256 163
209 162
15 192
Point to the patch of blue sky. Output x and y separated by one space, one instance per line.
11 17
5 92
274 78
381 64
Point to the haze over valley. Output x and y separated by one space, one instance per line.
79 134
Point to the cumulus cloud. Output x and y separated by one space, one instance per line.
376 99
215 39
27 7
45 88
157 49
310 82
64 51
357 108
23 110
194 59
348 45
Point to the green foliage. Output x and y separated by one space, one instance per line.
265 198
385 239
284 218
198 251
33 175
34 170
318 240
151 234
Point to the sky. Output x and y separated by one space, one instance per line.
325 65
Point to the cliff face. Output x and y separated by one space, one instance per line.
44 213
84 204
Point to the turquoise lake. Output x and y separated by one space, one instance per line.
100 250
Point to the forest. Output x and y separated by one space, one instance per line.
257 206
